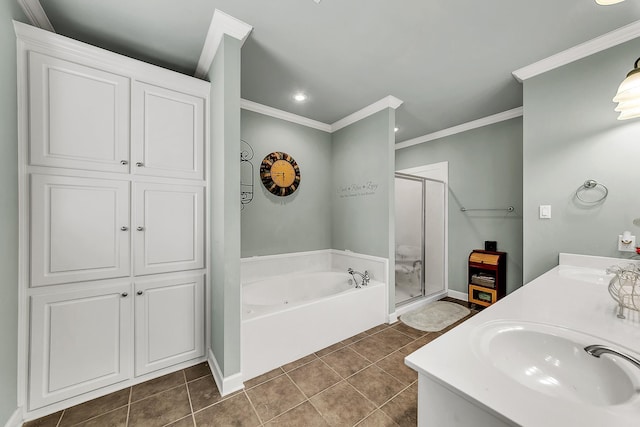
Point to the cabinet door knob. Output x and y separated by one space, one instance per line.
139 292
124 162
139 164
139 228
124 228
124 294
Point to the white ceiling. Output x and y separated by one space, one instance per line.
450 61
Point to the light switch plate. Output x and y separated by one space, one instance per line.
545 211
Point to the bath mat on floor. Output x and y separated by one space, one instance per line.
435 316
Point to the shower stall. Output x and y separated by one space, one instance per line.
420 230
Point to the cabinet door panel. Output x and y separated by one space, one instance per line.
76 230
79 116
171 222
169 322
80 341
168 132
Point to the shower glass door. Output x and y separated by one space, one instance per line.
420 237
409 238
434 237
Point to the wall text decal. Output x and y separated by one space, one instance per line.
368 188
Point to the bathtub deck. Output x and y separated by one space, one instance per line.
363 377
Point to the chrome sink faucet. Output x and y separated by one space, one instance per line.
597 350
365 277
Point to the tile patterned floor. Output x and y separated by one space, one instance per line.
360 381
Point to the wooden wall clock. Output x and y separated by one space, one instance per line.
280 174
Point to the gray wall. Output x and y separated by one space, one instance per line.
570 135
8 212
343 199
361 165
301 221
225 206
485 171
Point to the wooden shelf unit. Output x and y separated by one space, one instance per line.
493 266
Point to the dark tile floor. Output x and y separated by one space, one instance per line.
360 381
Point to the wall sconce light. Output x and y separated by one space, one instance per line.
608 2
628 96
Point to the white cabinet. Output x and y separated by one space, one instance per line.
79 229
169 317
87 338
113 183
79 116
82 118
169 228
167 132
80 341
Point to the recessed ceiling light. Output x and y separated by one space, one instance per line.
608 2
300 97
396 129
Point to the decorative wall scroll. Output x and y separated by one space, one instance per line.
246 173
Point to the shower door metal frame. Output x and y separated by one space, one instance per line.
422 180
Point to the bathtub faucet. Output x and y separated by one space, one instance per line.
365 277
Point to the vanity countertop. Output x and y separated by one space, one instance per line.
574 296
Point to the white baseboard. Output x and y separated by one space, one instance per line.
226 385
458 295
16 419
392 317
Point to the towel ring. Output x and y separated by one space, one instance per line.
589 185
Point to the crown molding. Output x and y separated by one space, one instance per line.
221 24
387 102
485 121
36 14
245 104
598 44
36 39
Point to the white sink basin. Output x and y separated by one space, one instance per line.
552 360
